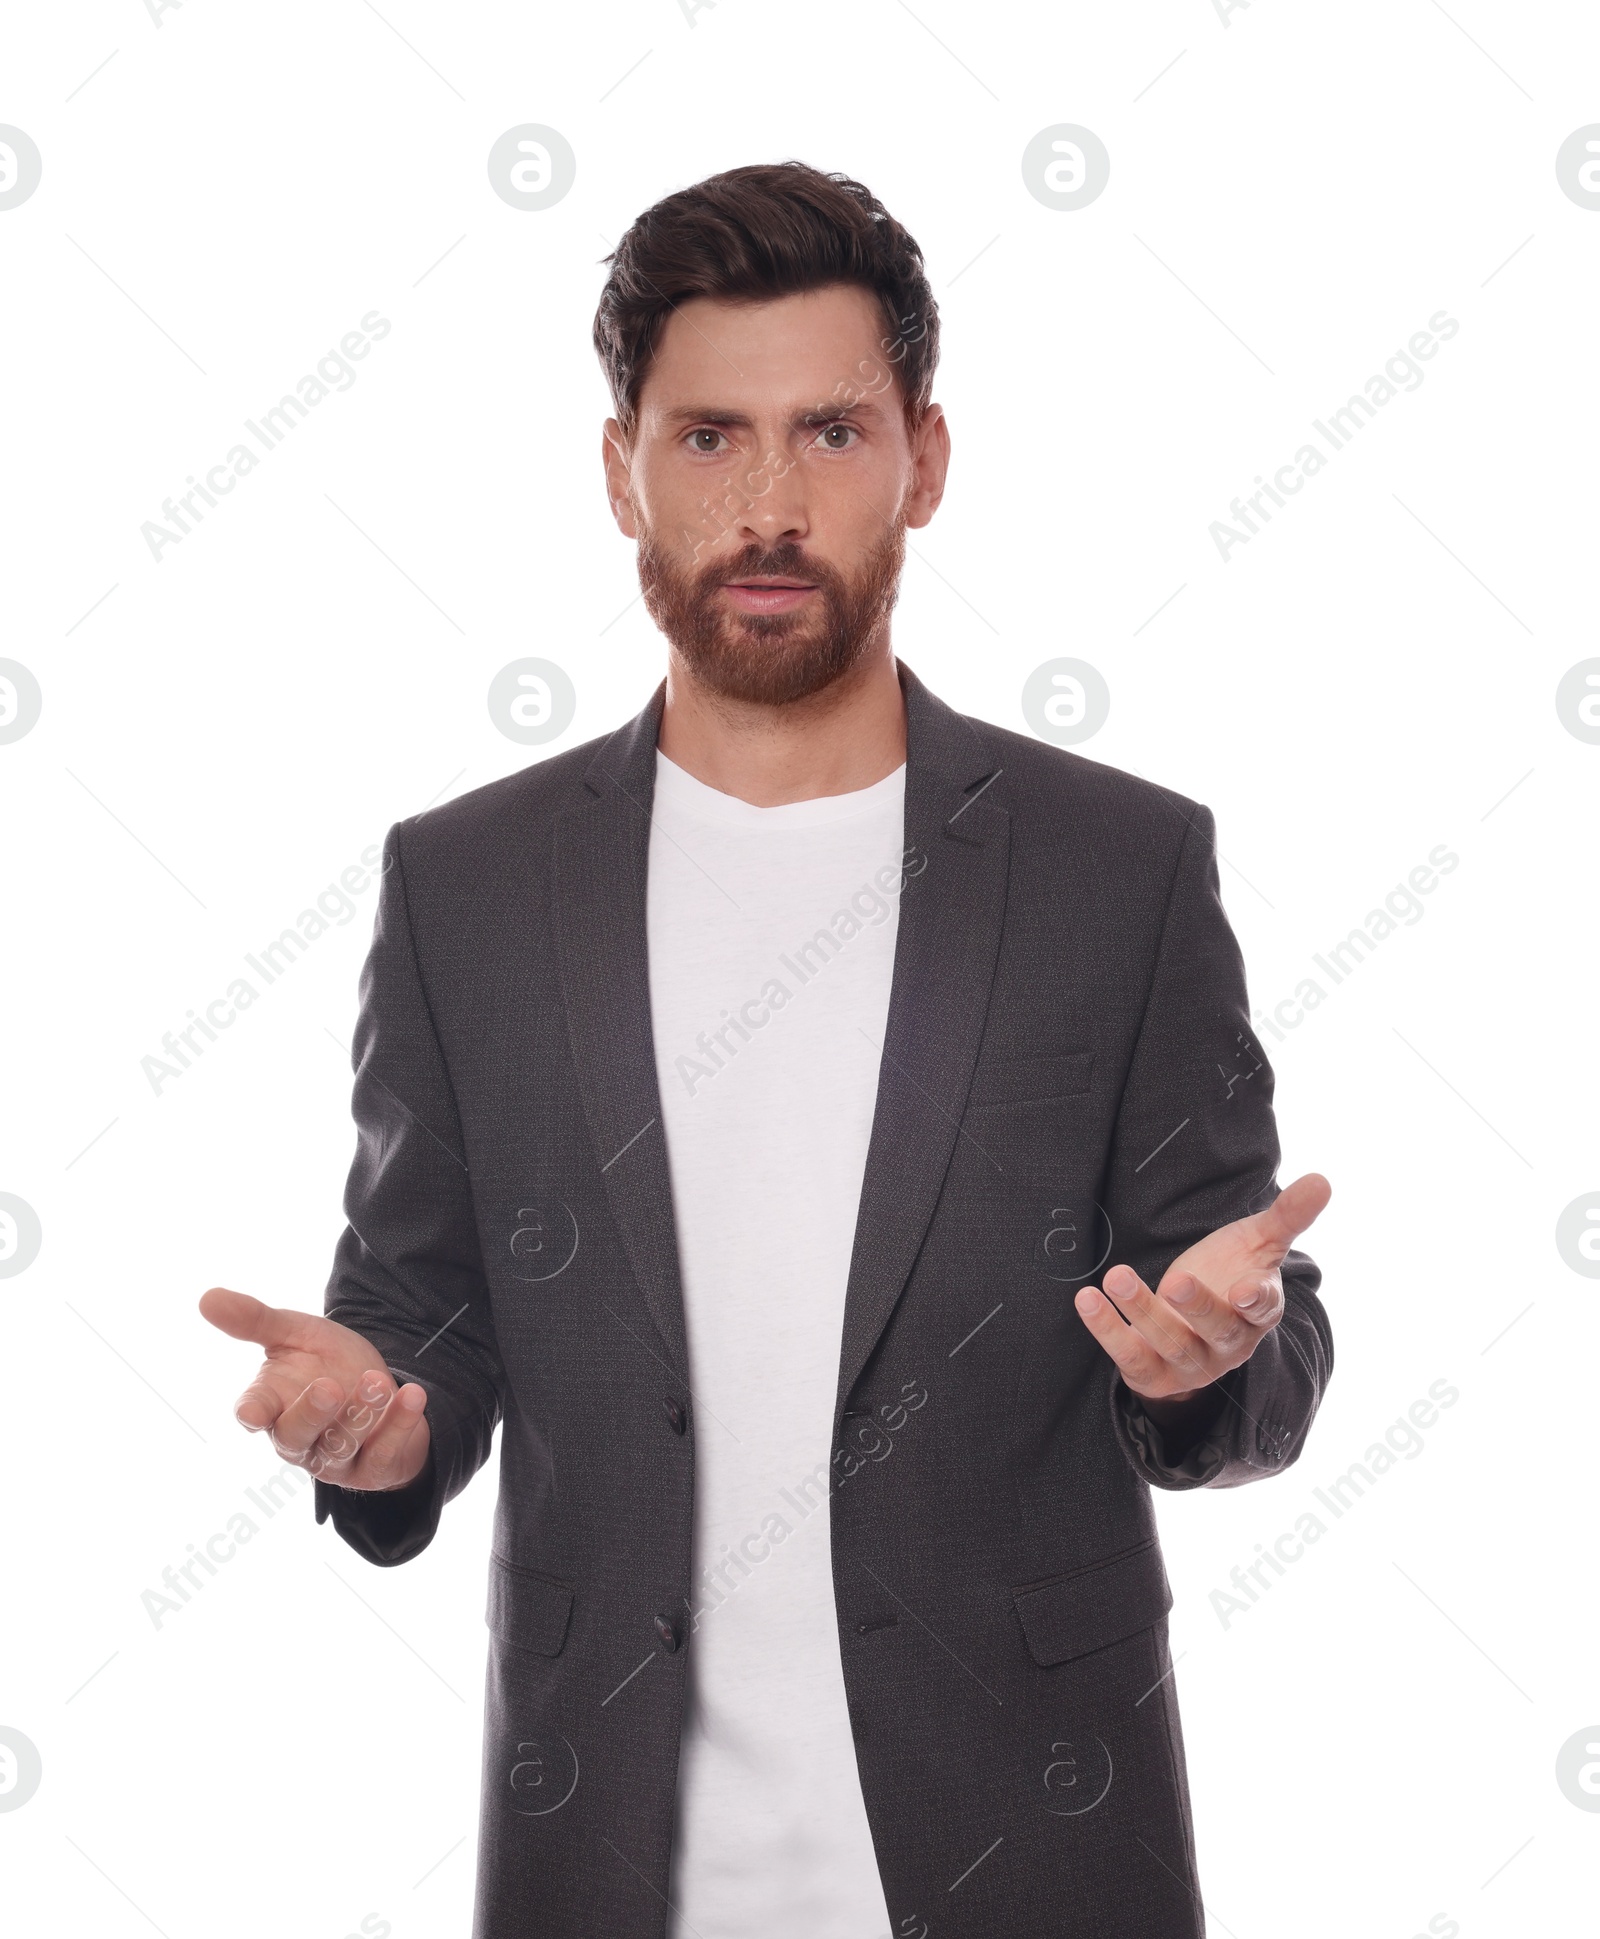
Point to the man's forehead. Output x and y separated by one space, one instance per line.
787 354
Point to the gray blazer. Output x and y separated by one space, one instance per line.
1068 1079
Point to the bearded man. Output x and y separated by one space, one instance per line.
823 1133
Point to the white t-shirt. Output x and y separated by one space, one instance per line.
771 946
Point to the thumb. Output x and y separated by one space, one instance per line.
243 1317
1295 1207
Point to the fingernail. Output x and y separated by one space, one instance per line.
1182 1294
371 1387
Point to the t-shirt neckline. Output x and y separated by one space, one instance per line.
679 792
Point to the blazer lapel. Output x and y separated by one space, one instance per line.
951 911
601 863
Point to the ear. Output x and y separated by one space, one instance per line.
614 457
930 461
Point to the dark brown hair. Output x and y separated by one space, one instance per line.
752 234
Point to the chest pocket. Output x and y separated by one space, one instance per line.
1029 1126
1030 1077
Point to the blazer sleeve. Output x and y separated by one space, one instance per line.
1195 1148
408 1273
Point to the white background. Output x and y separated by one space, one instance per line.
224 731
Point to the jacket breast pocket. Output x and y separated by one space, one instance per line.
1070 1615
527 1610
1030 1123
1031 1077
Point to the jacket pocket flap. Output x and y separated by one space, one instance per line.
527 1610
1074 1614
1025 1078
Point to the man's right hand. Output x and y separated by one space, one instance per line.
324 1395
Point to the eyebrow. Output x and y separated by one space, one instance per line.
725 420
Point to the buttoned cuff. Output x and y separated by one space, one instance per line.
1163 1459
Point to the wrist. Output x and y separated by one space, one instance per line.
1176 1407
1183 1420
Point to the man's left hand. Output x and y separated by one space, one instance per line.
1215 1305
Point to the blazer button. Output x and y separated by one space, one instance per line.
675 1414
668 1634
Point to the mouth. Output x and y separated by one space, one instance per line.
762 594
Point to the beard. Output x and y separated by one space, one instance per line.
772 659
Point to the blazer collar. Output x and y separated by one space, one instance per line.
939 742
951 912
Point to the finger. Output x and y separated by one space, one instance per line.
1141 1367
1295 1207
1258 1300
1181 1355
1168 1331
265 1399
299 1427
394 1452
359 1419
244 1317
1227 1323
370 1437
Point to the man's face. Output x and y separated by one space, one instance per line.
770 484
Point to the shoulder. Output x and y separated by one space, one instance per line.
1054 792
515 810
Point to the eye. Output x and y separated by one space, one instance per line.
705 440
836 437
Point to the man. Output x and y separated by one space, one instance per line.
776 1115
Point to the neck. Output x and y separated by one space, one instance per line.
847 737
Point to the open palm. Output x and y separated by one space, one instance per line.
1216 1302
324 1395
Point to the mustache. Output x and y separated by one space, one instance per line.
785 561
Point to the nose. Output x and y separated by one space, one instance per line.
774 509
